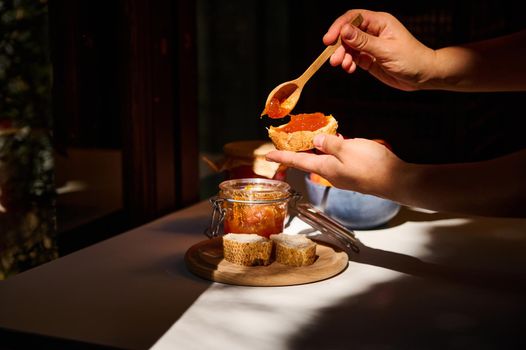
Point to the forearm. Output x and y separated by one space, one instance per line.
490 65
490 188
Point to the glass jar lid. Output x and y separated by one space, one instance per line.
254 190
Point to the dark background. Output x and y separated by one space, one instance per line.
157 84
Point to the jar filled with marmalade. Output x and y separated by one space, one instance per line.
250 205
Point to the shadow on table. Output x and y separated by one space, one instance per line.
468 293
407 214
498 280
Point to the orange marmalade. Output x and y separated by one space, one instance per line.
254 206
305 122
275 109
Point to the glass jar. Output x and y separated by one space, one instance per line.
250 205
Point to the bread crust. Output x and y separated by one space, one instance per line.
247 249
253 250
294 250
300 140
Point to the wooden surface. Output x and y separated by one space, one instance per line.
205 259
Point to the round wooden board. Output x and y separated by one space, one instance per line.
205 259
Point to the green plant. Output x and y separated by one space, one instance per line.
27 215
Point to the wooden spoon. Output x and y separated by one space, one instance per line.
284 97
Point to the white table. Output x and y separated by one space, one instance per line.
426 281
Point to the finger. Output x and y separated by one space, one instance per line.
329 144
334 30
365 61
347 63
361 41
337 57
307 162
352 68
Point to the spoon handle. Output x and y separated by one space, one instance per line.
324 56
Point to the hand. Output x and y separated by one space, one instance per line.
382 46
371 168
356 164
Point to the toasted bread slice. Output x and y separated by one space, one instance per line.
300 140
247 249
294 250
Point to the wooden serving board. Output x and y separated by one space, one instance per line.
205 259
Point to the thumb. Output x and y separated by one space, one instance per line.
360 41
329 144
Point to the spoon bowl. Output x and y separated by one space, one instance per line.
282 99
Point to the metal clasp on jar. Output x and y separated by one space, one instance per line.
320 221
218 216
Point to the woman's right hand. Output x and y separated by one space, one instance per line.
382 46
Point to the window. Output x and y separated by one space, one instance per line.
121 112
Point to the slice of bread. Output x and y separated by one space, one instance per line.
247 249
294 250
300 140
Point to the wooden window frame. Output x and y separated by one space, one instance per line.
156 103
